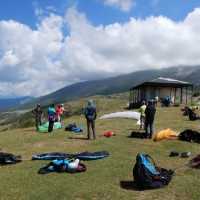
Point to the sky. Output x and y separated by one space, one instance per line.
46 45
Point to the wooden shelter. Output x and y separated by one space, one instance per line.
160 87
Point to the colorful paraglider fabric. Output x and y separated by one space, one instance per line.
165 134
44 127
109 134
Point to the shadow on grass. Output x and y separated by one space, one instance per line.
134 137
132 129
76 138
128 185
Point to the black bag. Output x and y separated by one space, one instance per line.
192 115
147 176
135 134
71 127
7 158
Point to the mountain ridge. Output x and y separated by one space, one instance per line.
112 85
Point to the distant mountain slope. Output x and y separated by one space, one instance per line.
14 102
114 85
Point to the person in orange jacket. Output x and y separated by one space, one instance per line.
58 113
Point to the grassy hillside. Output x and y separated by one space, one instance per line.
25 118
108 178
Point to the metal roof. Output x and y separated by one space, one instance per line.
163 82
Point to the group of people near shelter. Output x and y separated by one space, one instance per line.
147 113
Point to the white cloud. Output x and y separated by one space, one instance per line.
38 62
154 2
124 5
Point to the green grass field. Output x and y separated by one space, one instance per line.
107 178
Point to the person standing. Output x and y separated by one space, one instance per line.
166 101
62 111
90 115
52 118
169 100
156 101
38 116
142 115
150 113
58 113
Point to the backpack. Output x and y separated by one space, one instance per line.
6 158
192 115
78 129
52 118
71 127
147 176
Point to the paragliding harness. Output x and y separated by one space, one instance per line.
73 127
190 136
70 127
192 115
63 166
6 158
148 176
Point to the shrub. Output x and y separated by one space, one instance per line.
177 105
196 94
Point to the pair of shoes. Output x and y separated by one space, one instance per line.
150 137
95 138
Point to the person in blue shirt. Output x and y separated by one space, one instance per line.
52 118
167 101
90 115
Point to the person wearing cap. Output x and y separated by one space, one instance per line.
62 111
90 115
142 115
38 116
150 113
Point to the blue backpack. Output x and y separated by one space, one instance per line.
148 176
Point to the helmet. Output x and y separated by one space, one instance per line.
174 153
185 154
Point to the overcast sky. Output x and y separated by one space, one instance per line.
46 45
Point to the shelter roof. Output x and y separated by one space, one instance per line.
163 82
